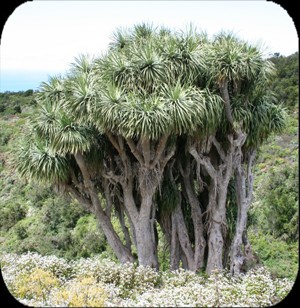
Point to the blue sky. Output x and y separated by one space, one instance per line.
41 38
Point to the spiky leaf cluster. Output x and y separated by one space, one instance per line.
154 82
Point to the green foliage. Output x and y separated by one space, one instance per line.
87 238
27 235
13 103
52 225
57 212
232 59
167 197
163 251
32 218
280 257
286 82
9 131
10 214
40 163
277 210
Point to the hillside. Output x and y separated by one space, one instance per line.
274 215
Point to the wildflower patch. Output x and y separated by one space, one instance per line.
41 281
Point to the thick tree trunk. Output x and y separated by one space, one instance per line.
244 190
215 246
146 245
236 255
151 164
216 231
145 227
200 243
150 158
181 245
220 173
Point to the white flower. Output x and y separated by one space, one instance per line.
137 286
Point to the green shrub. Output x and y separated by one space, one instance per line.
278 211
279 257
10 214
87 238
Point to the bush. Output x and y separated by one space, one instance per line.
98 282
129 278
46 224
87 238
10 214
35 285
84 292
279 257
277 209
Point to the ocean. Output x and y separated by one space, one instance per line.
17 80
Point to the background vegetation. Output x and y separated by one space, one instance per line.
274 215
34 219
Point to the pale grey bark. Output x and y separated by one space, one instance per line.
174 245
144 227
223 86
107 194
183 237
244 190
121 217
121 251
220 175
151 163
200 243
